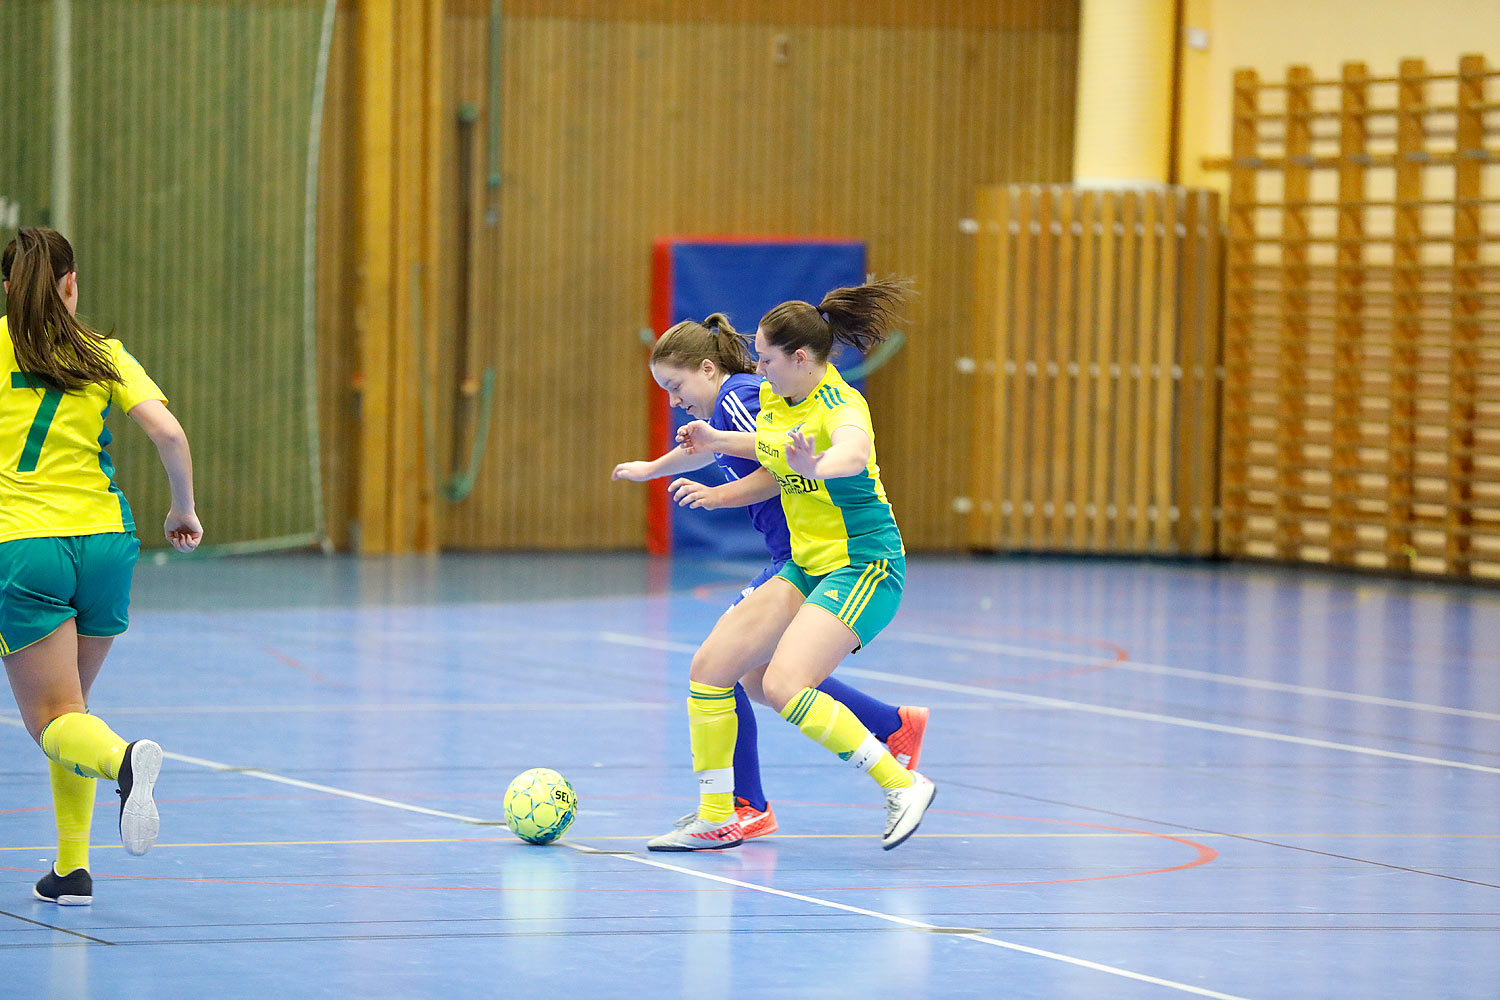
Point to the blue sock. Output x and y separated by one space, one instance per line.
878 717
746 753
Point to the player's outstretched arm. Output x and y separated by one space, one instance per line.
759 485
673 463
698 436
182 527
848 453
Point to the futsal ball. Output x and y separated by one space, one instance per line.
540 805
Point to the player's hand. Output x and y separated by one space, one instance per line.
696 437
183 530
636 472
802 454
691 493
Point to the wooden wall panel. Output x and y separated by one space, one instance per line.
615 131
975 14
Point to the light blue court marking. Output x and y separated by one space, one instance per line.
397 697
1119 713
436 706
1032 653
923 926
255 772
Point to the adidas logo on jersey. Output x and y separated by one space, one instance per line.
831 594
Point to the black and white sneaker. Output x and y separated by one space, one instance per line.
139 822
73 889
904 808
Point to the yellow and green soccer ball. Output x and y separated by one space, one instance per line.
540 805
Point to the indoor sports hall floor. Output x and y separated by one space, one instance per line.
1154 780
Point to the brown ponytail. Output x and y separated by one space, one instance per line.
688 344
50 342
861 317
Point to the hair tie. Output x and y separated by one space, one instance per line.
825 316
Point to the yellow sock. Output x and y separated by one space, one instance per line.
824 720
84 745
73 808
712 728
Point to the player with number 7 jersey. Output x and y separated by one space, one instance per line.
57 479
68 545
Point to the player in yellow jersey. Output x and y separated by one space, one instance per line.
706 369
68 543
843 583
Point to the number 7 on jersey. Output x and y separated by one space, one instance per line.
43 422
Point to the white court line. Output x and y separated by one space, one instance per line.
1118 713
584 849
666 646
922 926
1031 653
255 772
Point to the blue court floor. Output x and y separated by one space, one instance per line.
1154 780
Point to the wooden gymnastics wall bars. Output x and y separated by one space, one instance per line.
1096 362
1362 321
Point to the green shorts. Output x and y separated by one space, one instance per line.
863 596
46 581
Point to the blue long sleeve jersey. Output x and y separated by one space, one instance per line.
737 407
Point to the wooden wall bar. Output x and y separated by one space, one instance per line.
1362 335
1096 358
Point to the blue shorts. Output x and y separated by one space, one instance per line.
764 575
46 581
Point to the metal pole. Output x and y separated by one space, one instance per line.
310 272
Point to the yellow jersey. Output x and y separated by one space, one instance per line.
56 479
833 522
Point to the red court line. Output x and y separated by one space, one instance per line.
1203 855
297 664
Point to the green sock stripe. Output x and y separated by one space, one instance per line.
708 693
802 707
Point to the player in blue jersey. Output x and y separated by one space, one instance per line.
706 369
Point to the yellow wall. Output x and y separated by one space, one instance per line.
1269 35
1122 124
